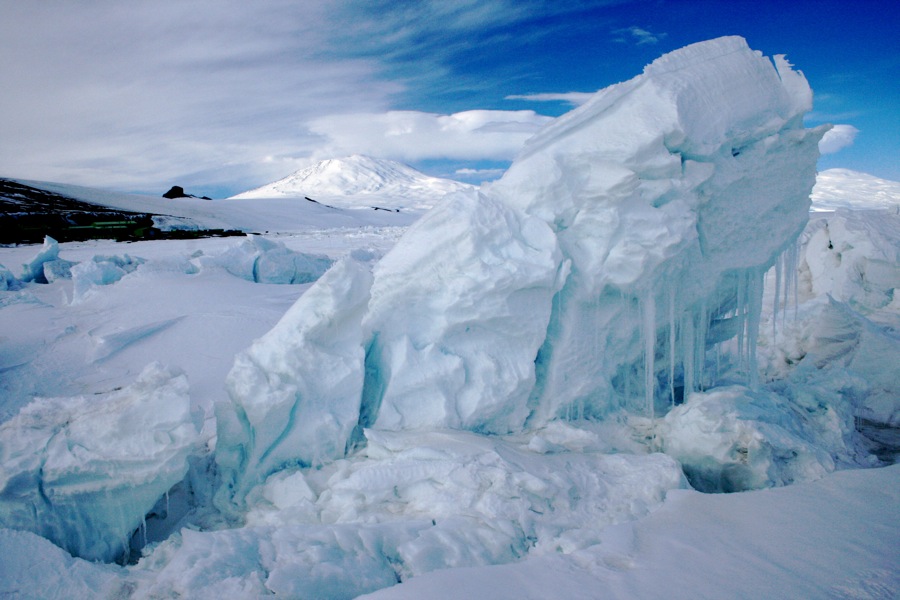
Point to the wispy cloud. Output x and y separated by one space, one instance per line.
478 175
415 136
638 35
573 98
139 94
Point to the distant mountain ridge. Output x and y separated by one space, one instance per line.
369 180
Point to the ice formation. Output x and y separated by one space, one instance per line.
267 261
629 236
83 471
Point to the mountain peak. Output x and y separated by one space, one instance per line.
366 179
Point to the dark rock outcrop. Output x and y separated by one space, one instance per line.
176 191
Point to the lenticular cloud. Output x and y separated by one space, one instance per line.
630 236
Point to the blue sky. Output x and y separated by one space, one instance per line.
221 95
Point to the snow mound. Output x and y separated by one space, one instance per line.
83 471
369 181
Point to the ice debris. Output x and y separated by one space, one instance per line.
630 235
83 471
261 260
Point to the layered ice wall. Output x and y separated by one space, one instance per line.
629 235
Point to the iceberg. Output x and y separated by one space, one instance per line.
629 237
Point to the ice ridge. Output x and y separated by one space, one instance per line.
629 237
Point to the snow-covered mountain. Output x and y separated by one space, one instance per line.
361 181
843 188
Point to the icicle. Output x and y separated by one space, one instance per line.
687 352
672 345
741 313
700 345
778 266
648 331
755 293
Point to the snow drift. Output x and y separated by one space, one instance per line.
630 235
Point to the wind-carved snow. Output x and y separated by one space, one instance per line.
629 235
361 182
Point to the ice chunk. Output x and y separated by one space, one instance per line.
83 471
101 270
295 392
458 313
8 281
732 439
849 353
58 269
34 270
261 260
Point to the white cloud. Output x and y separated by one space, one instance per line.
143 94
414 136
638 35
837 138
478 175
573 98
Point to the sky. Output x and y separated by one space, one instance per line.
221 96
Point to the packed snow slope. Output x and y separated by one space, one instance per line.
622 234
357 181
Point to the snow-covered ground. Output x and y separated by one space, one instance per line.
204 407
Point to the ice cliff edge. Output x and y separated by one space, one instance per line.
629 236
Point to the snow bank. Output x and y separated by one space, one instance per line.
631 234
83 471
